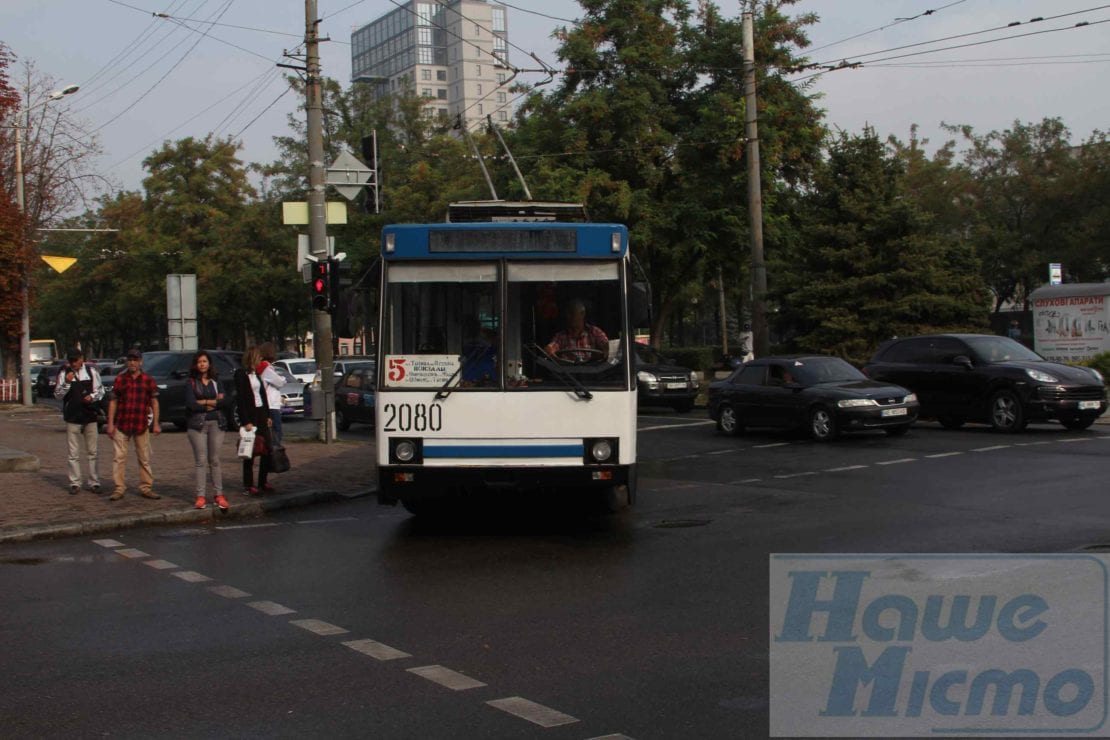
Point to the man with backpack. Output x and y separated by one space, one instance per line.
79 388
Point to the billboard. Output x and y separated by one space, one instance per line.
1071 322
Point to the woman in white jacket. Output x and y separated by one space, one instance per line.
273 384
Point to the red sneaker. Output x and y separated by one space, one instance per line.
221 502
268 488
201 503
251 491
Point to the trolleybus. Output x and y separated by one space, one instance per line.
484 380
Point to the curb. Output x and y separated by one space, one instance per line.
17 461
250 508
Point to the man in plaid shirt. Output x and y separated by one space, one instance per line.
578 335
133 395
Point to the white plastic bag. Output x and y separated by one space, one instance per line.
246 443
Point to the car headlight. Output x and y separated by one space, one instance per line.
910 398
693 379
648 379
851 403
1097 374
1041 376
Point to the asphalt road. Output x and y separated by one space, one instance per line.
651 624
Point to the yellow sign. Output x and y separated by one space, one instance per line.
296 213
60 264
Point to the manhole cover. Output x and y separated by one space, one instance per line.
679 523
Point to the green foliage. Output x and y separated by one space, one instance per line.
1100 362
702 359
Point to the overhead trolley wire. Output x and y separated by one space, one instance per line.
895 22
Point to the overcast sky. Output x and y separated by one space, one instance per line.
145 80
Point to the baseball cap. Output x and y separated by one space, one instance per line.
134 353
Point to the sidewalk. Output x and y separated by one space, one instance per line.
37 504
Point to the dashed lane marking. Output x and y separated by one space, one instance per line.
132 553
108 543
845 468
768 446
228 592
990 449
191 576
376 650
318 626
897 462
160 564
797 475
326 521
675 426
746 480
535 713
1075 439
944 454
250 526
616 736
270 608
446 677
720 452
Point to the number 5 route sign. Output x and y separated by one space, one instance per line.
419 370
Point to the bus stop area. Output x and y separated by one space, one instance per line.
35 502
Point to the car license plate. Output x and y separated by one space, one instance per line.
1084 405
676 385
894 412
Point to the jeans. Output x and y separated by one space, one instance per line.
206 445
78 436
142 454
275 430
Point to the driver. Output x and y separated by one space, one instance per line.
578 335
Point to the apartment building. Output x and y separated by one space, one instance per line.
454 54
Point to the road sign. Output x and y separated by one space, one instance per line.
60 264
295 213
348 175
1055 273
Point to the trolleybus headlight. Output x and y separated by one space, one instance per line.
601 450
405 451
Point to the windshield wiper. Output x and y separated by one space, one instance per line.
579 390
445 389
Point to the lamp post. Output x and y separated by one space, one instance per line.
25 336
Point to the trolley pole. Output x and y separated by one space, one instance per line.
317 214
760 335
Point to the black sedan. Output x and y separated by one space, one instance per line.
823 395
355 398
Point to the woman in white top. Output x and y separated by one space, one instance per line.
273 384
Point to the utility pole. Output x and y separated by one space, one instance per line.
722 309
760 337
317 214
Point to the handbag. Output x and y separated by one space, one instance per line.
279 460
261 445
246 443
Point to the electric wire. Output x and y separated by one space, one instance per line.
259 87
124 52
263 111
545 15
895 22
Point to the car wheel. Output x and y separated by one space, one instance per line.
1007 415
822 425
342 421
1079 423
951 422
684 407
897 431
727 421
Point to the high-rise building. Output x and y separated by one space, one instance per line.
452 53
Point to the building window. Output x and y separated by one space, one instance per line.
498 19
502 115
441 93
501 97
425 74
424 13
442 113
477 30
477 70
500 78
479 109
426 92
441 75
424 55
424 36
479 89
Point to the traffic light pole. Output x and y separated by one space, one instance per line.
317 215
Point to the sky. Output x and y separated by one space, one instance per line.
145 80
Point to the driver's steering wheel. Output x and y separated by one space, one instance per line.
573 355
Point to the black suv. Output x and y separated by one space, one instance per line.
170 370
987 378
662 383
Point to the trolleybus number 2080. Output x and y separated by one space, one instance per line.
412 417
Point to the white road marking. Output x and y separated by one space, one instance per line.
746 480
376 650
318 627
191 576
796 475
991 448
945 454
1076 439
250 526
846 467
676 426
1042 442
159 564
615 736
132 553
720 452
325 521
269 607
775 444
535 713
897 462
108 543
446 677
228 592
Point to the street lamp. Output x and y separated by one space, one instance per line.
25 337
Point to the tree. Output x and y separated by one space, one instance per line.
13 245
869 266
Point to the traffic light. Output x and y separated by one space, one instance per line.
321 285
